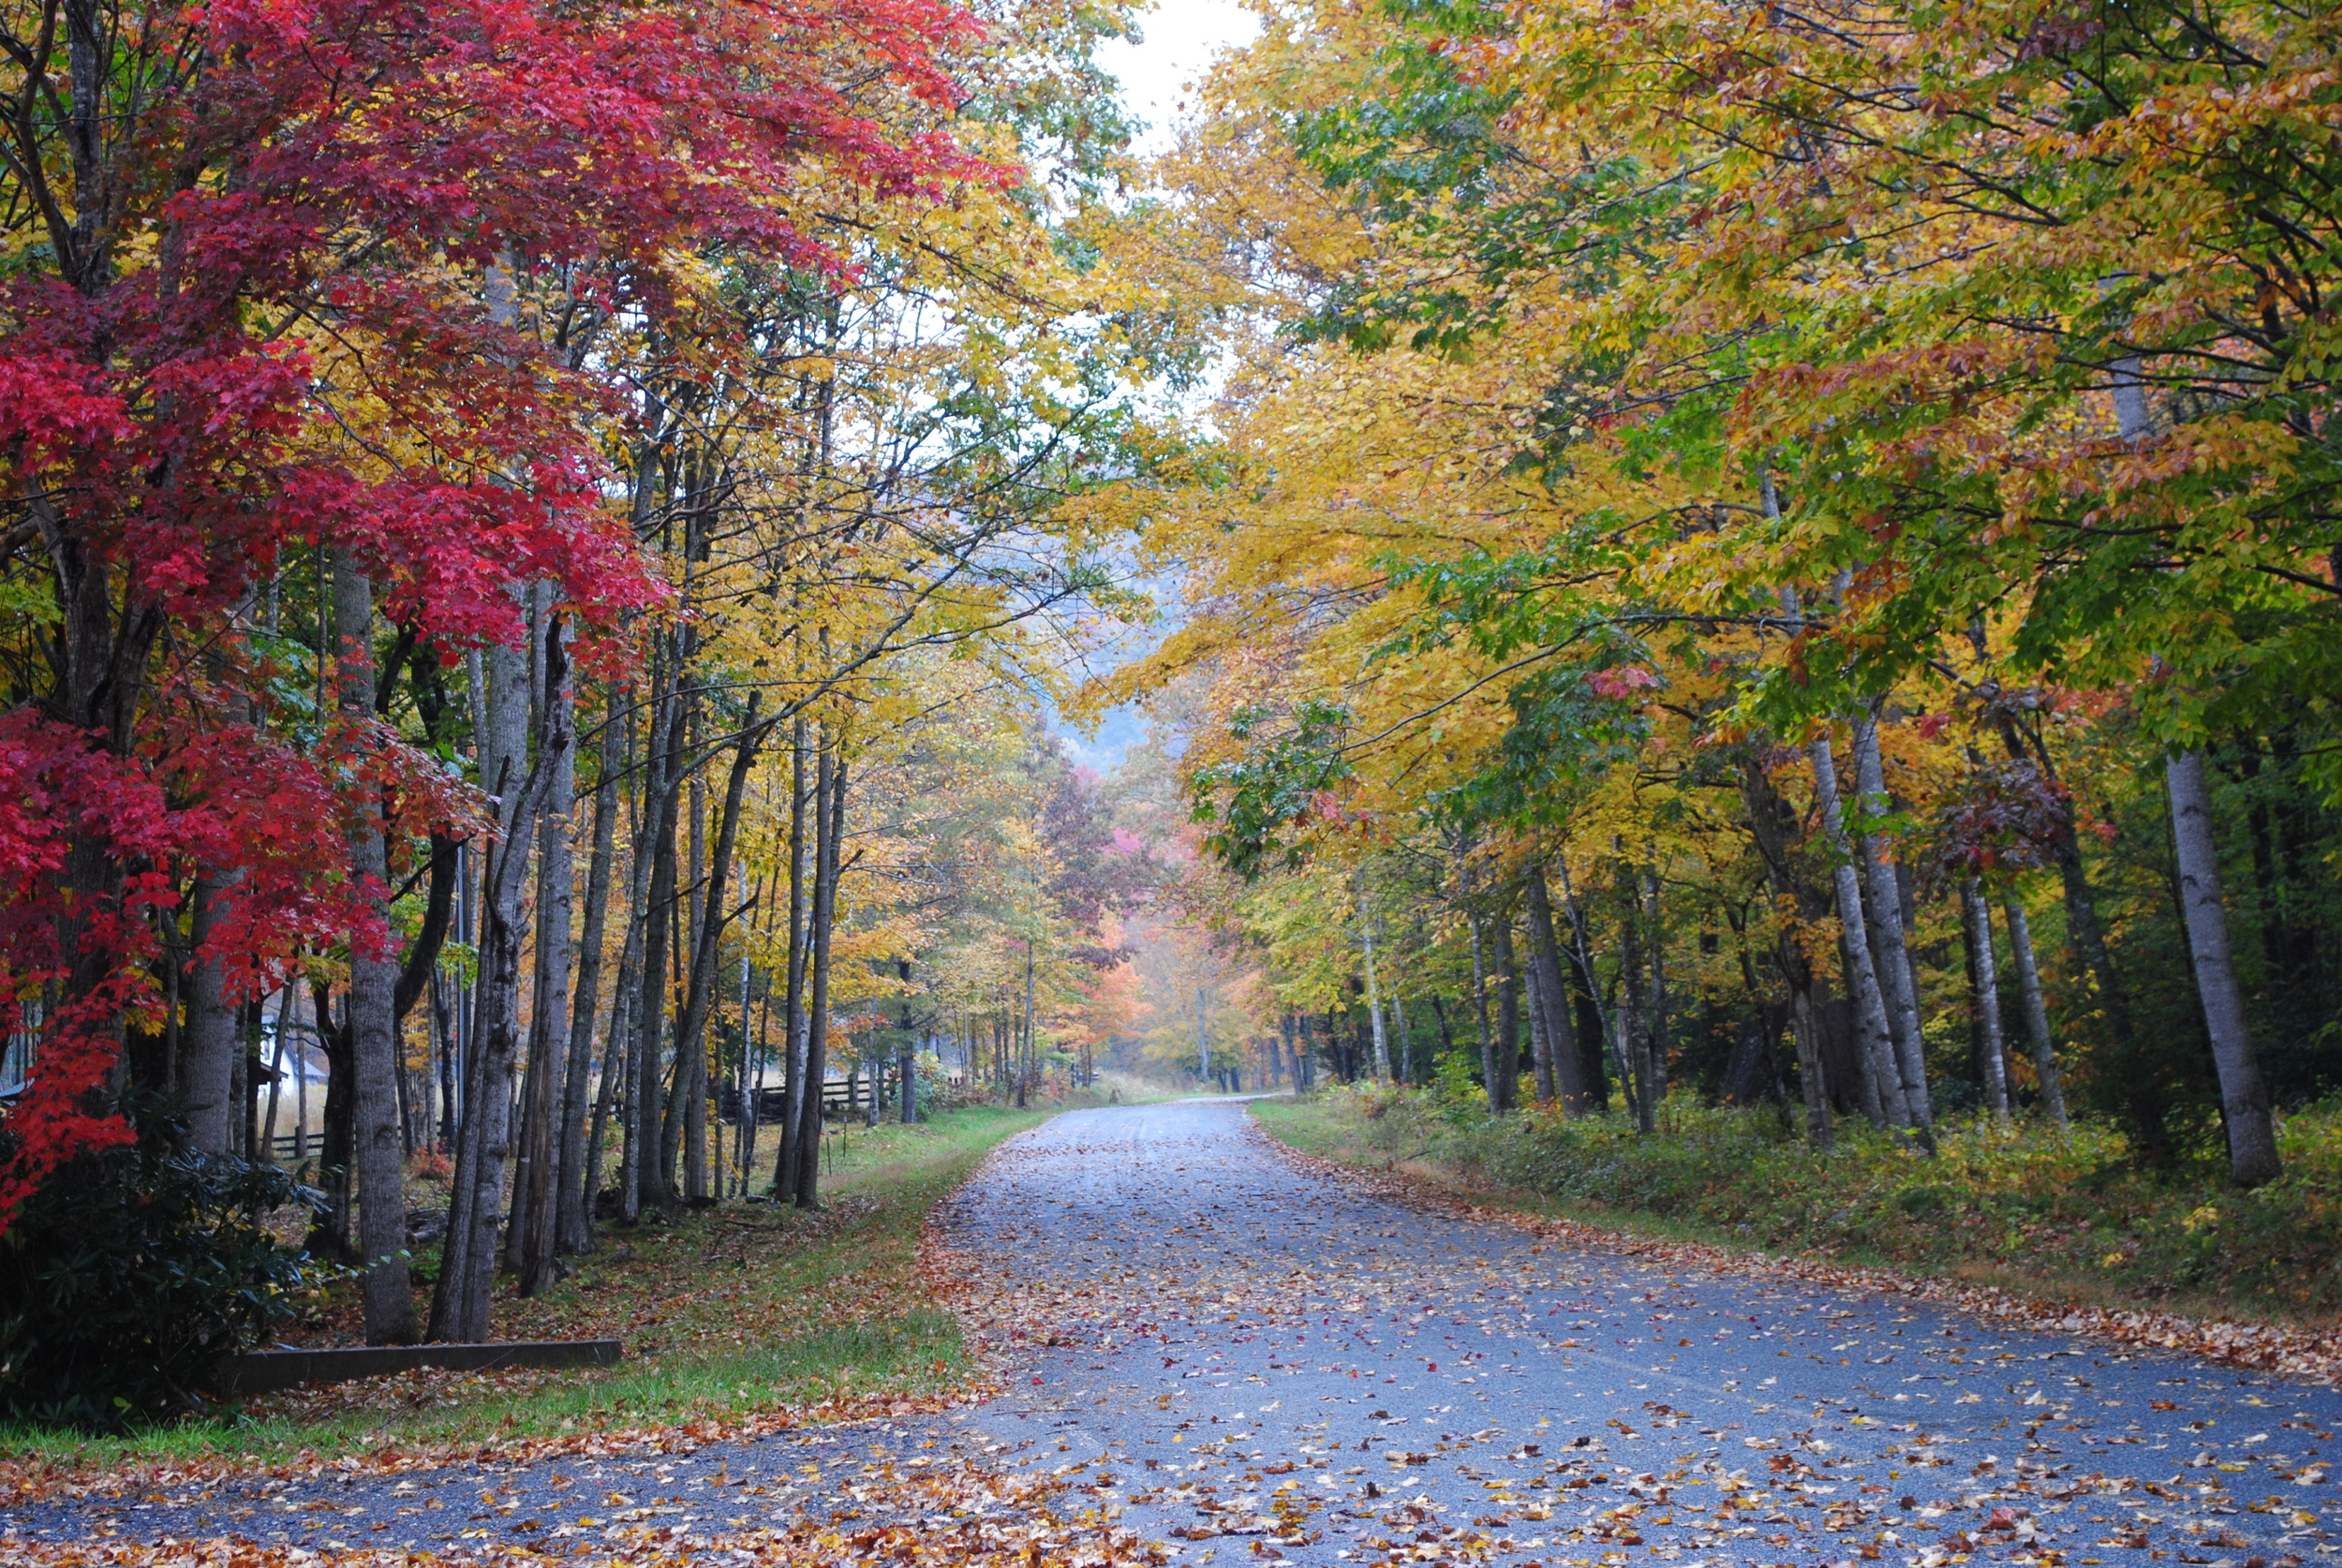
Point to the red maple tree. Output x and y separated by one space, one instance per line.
244 316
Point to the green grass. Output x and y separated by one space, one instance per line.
729 1313
2072 1219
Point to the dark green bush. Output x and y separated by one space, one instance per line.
132 1275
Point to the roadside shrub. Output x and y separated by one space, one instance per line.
133 1274
1995 1201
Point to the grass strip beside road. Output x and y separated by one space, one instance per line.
2057 1222
736 1317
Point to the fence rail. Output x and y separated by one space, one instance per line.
840 1097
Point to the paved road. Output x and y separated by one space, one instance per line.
1243 1357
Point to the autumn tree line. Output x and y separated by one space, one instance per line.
1785 553
534 539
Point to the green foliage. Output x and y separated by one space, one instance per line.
2077 1215
133 1274
1260 798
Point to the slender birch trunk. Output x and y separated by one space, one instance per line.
1634 1026
1655 1023
1480 1014
2037 1022
652 1174
1402 1054
1871 1026
1374 1001
1564 1072
626 1006
1203 1039
2252 1142
699 999
687 1093
1884 924
1987 977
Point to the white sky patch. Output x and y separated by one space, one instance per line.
1159 76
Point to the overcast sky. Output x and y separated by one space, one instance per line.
1181 37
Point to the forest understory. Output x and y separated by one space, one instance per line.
2049 1223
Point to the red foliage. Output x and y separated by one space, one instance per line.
346 169
2005 817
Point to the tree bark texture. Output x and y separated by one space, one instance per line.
2252 1144
795 1041
1504 1087
573 1229
829 801
2037 1022
459 1307
1863 983
1985 972
537 1189
370 1025
1563 1074
1374 1001
1883 918
207 1043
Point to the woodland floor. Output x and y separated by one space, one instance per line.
1210 1347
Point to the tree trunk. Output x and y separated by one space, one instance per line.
654 1185
1374 1001
793 1040
1024 1033
829 802
574 1221
1403 1051
1987 977
1633 1017
330 1233
687 1097
2037 1022
598 1129
1593 1027
538 1183
626 1005
1655 1020
208 1043
2252 1144
1564 1072
700 997
1505 1089
1870 1024
1883 915
460 1306
1771 824
907 1064
2086 933
370 1026
1489 1081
